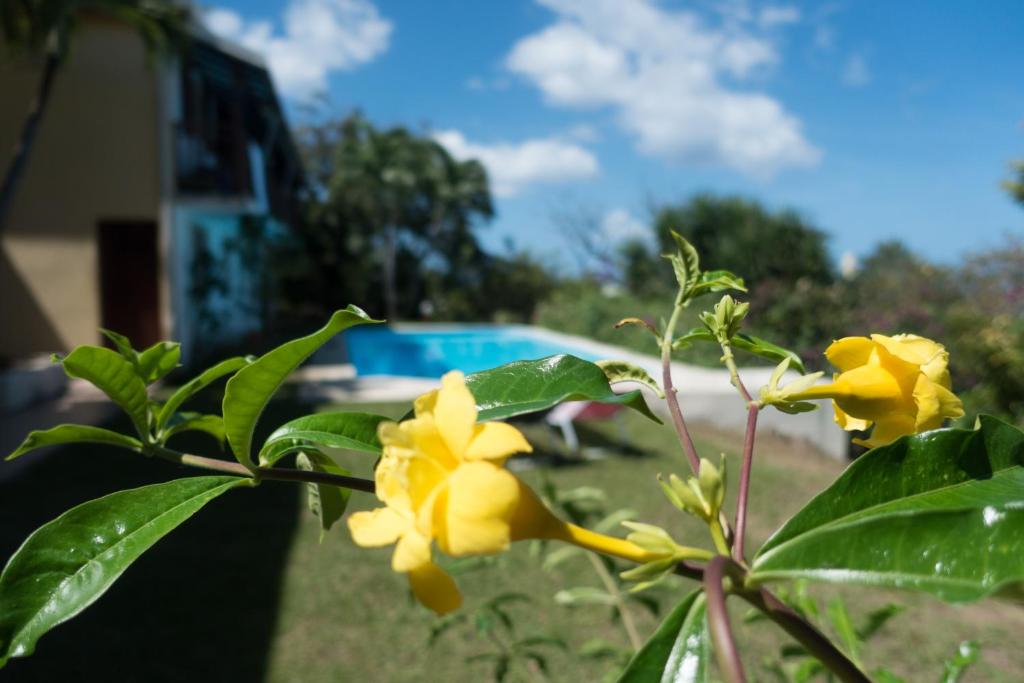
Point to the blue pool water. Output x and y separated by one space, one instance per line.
429 353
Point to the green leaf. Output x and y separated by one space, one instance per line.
622 371
65 434
114 376
252 387
530 386
843 625
159 359
765 349
694 335
718 281
679 651
123 345
743 342
66 564
327 502
354 431
584 595
941 512
193 386
955 667
195 422
685 264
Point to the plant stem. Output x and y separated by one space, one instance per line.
718 536
670 393
610 586
805 634
272 473
729 663
744 493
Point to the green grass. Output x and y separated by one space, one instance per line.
246 592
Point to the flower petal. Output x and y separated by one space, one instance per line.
411 551
850 424
434 588
455 413
496 441
934 404
869 392
909 347
376 528
424 405
481 501
849 352
888 430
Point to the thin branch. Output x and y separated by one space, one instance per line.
620 604
272 473
805 634
670 393
729 663
738 553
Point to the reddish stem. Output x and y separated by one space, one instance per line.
677 414
744 493
728 656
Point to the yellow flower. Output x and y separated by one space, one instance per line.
900 384
442 479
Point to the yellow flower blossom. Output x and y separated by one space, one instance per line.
442 478
900 384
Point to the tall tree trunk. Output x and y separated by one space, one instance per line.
28 134
390 256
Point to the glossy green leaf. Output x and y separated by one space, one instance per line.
327 502
159 359
679 651
69 433
197 384
195 422
114 376
622 371
251 388
530 386
66 564
941 512
354 431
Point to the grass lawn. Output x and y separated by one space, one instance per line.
246 592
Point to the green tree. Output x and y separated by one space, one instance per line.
1015 185
46 28
390 198
743 236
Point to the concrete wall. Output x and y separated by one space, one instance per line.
95 158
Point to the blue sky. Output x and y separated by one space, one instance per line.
877 120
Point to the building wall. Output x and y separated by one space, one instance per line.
95 158
210 237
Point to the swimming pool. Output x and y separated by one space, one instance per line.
431 351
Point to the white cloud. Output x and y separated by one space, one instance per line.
856 73
778 15
620 225
513 166
670 79
319 37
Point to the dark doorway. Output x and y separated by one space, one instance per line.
129 295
